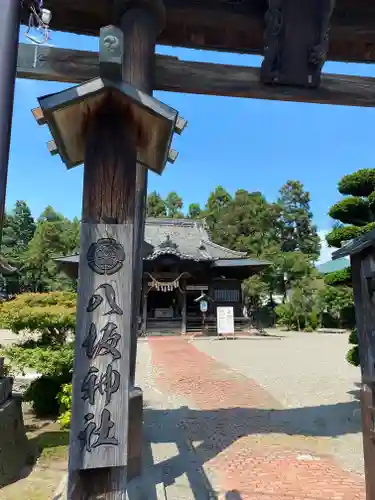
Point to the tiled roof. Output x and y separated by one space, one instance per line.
333 265
186 238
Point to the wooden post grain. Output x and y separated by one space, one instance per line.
108 207
140 26
114 196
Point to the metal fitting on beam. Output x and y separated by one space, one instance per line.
39 116
172 156
180 126
52 148
111 53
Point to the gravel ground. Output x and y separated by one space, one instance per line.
308 374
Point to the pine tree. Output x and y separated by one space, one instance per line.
355 214
297 229
155 205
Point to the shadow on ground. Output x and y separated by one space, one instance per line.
215 431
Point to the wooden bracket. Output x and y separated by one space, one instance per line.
296 41
172 156
180 126
52 147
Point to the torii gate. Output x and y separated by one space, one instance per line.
293 37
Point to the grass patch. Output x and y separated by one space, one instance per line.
51 444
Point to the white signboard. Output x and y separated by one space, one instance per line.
225 320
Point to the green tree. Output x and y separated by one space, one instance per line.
19 229
247 223
254 291
54 236
155 205
336 301
354 215
297 230
217 202
174 205
195 211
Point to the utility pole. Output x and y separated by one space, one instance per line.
9 28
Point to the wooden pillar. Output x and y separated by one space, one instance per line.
108 214
113 220
363 271
9 32
184 325
141 26
141 23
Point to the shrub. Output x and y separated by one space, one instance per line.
309 329
313 321
48 361
52 315
353 337
360 183
351 210
42 393
67 299
344 276
352 356
54 364
65 401
340 234
285 316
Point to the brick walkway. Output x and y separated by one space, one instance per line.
252 454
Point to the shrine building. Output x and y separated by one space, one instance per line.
181 263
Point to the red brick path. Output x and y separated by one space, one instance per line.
241 442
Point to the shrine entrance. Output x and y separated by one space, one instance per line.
116 128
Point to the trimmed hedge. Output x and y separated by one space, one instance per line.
351 210
360 183
352 356
345 233
342 277
50 361
51 315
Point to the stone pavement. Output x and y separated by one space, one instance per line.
213 433
244 447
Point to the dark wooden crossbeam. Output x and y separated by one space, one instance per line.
233 26
296 41
174 75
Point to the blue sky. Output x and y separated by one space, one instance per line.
238 143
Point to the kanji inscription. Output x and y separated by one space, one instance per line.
101 371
